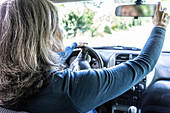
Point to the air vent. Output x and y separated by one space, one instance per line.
124 57
121 58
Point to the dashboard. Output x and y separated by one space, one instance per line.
133 96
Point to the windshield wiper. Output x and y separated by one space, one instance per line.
118 48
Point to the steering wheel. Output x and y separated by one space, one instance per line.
81 62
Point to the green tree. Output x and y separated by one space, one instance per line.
74 22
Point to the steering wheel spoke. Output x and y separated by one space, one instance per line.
83 59
83 55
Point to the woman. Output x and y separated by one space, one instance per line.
135 11
29 66
129 11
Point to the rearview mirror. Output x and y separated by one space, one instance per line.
143 10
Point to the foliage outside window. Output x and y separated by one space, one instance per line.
78 22
81 19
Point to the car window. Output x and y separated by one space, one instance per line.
95 22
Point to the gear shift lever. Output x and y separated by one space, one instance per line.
132 109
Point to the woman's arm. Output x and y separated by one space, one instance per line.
91 88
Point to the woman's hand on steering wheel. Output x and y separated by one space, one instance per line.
80 44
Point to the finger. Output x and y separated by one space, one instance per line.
158 8
163 16
166 16
82 44
165 9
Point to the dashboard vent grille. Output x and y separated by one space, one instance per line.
121 58
124 57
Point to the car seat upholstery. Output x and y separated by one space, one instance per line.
3 110
157 98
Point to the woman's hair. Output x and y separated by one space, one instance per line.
29 41
139 10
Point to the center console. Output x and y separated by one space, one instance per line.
131 99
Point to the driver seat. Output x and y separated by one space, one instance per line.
157 98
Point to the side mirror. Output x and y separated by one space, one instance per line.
143 10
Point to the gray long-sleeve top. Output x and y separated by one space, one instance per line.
73 92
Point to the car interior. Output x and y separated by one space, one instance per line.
152 93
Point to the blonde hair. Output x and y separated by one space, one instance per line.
29 41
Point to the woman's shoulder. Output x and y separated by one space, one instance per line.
60 74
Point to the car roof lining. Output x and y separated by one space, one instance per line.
60 1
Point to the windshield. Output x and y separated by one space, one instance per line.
95 22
